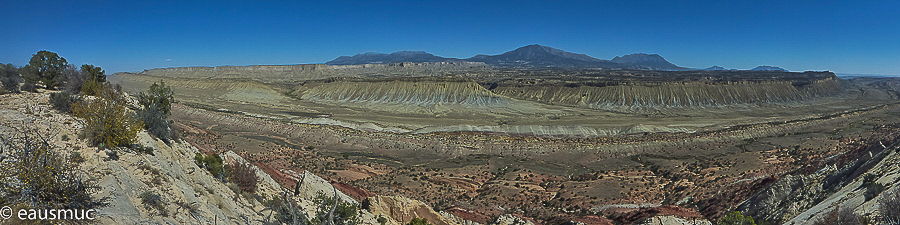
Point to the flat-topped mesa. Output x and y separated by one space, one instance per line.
657 94
304 72
422 92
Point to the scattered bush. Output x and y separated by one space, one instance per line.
285 216
29 87
9 77
192 208
839 216
107 120
155 122
381 220
157 179
94 73
736 218
76 157
34 174
889 207
244 176
345 213
63 101
159 95
112 155
418 221
72 79
872 188
141 149
46 67
212 163
91 87
154 201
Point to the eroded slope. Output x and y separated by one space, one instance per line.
672 94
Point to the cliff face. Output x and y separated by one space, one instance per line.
670 94
413 92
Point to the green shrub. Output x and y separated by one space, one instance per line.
29 87
141 149
285 216
155 122
76 157
112 155
736 218
107 120
212 163
872 188
159 96
418 221
9 77
345 213
94 73
92 87
63 101
45 67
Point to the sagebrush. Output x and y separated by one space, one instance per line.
244 176
107 119
32 172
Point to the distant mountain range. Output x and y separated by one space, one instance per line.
769 68
531 56
396 57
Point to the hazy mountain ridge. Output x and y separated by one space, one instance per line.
647 61
769 68
396 57
531 56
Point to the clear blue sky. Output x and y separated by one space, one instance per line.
840 36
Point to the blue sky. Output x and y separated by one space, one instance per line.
841 36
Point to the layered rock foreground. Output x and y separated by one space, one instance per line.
171 173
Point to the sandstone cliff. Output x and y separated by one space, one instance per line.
669 94
407 91
401 210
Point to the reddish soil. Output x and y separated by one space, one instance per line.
716 169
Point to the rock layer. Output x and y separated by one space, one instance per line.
401 210
412 92
670 94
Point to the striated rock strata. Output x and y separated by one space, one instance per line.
404 91
667 94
